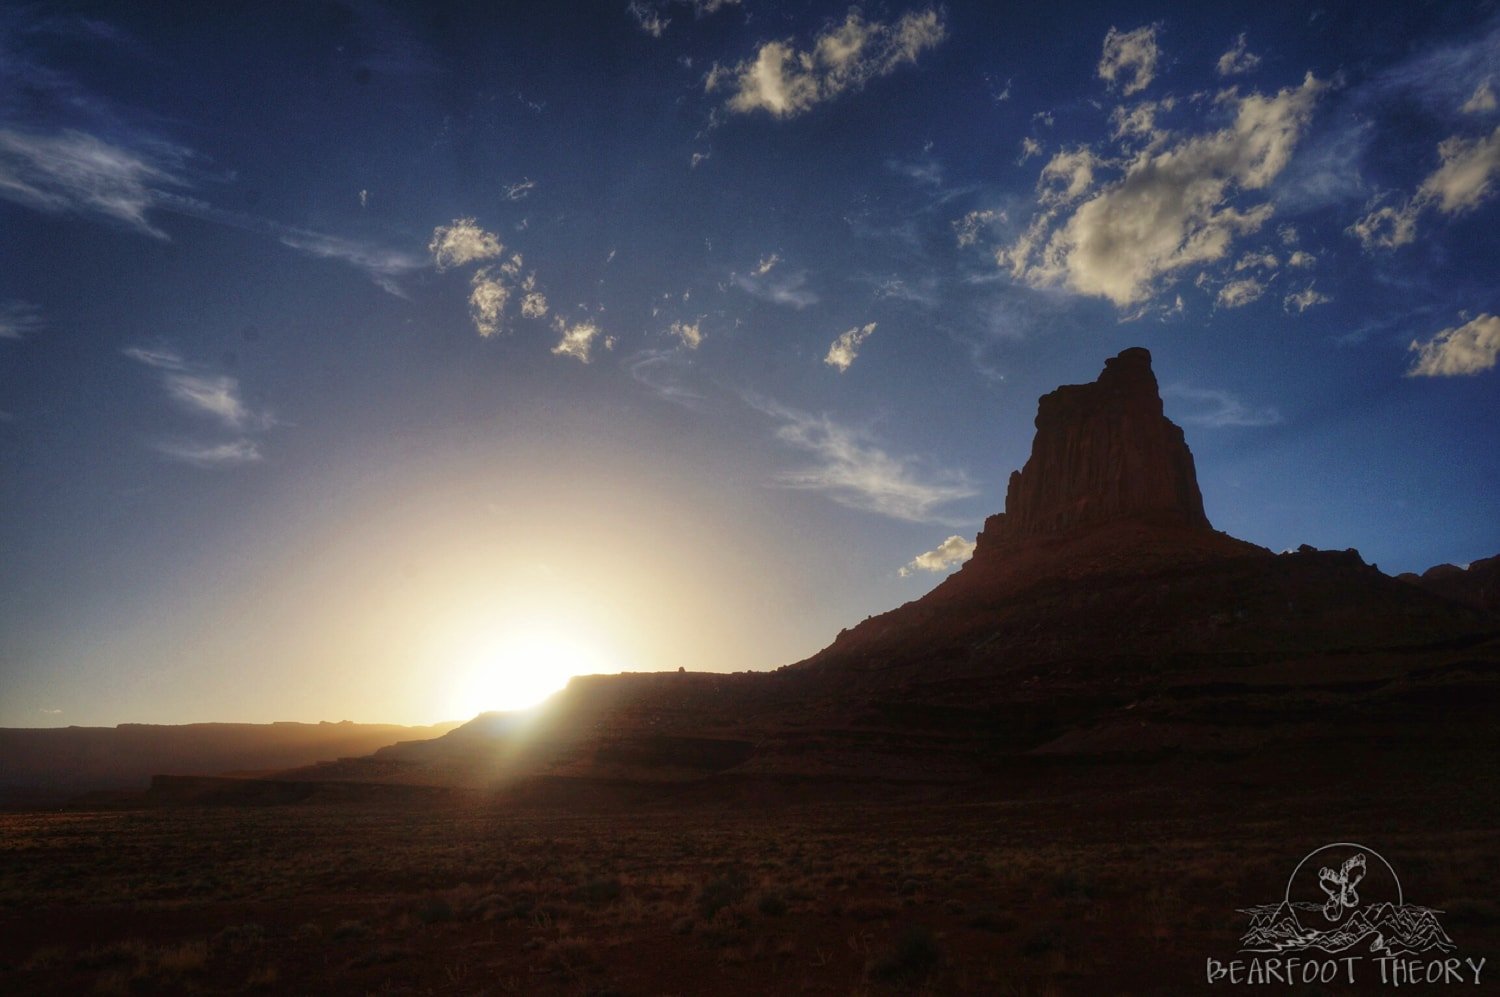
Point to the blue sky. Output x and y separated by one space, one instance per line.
341 344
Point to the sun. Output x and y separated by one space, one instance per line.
521 668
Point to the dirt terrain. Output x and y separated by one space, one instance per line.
1092 878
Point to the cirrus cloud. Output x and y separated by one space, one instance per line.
855 471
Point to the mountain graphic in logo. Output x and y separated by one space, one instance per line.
1344 897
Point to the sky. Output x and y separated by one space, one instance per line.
362 360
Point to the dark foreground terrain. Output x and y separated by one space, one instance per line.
1069 878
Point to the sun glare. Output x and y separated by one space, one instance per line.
521 669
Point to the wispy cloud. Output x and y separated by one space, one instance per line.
1304 299
944 557
1129 59
1481 101
1238 59
209 394
854 471
20 319
242 451
74 172
1216 409
1471 348
519 190
651 15
665 373
384 265
785 81
778 286
845 349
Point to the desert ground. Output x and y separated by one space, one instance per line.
1066 879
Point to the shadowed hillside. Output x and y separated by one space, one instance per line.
46 764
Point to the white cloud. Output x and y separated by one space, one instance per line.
1173 208
853 471
1238 293
1481 101
781 287
489 290
1067 176
1237 60
533 301
648 17
1304 299
492 288
70 171
785 82
1029 147
1467 349
462 242
766 265
1460 184
691 333
968 228
1139 120
19 319
1129 59
1216 409
948 554
845 348
1261 261
240 451
578 339
1302 260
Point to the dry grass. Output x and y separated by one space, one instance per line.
985 899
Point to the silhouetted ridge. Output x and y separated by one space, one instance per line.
1103 451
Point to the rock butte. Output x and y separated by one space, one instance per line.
1103 451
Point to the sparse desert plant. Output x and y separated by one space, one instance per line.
719 893
770 903
598 892
348 931
913 955
263 977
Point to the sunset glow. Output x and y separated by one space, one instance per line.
520 669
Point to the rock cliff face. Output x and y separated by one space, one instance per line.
1103 452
